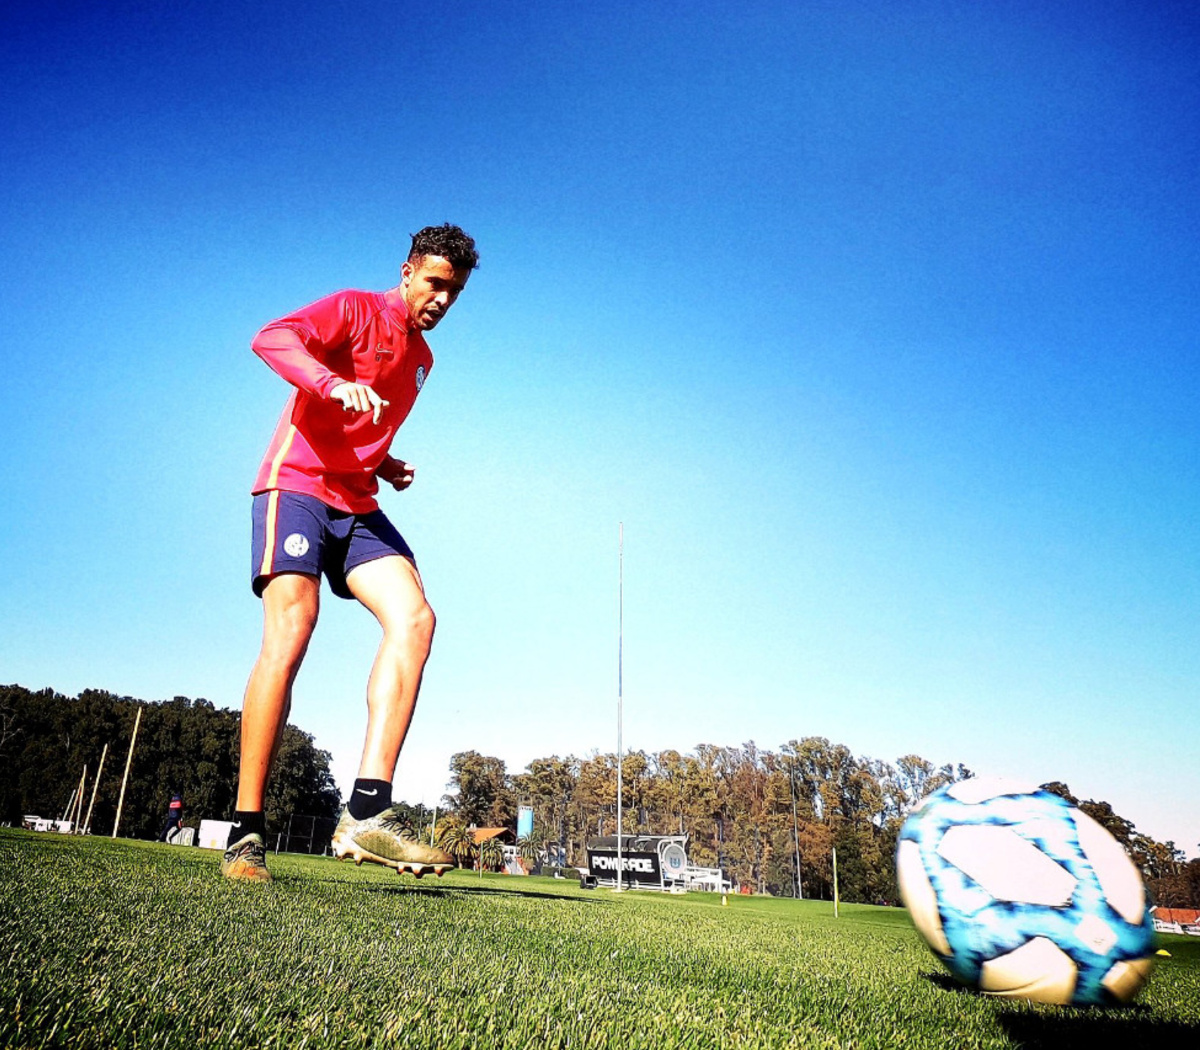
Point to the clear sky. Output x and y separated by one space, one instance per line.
875 323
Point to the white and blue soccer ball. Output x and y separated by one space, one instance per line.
1022 895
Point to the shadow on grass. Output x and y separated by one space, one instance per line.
443 891
432 889
1077 1027
1080 1027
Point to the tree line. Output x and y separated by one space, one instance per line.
183 745
771 820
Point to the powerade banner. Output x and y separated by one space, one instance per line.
636 867
524 822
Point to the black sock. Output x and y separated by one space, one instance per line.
369 797
247 823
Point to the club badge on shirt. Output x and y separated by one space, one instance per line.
420 377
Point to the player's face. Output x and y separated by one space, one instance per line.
430 286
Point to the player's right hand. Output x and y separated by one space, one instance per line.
358 397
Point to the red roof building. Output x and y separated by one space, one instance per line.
1182 916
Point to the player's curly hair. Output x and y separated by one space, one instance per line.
451 242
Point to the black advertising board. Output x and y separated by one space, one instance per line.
636 866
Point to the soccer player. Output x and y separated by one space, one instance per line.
357 361
174 817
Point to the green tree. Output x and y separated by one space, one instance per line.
549 786
456 839
183 745
746 809
596 795
1117 826
480 793
1178 889
491 854
529 849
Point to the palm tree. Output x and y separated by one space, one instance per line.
529 848
456 839
491 855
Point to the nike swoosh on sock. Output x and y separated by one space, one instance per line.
372 792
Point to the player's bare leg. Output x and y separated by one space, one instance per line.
391 589
291 602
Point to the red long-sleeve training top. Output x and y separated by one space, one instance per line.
319 448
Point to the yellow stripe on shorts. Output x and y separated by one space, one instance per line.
268 562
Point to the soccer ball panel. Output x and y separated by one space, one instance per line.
919 896
1095 934
1119 878
980 789
1038 970
1005 865
1125 979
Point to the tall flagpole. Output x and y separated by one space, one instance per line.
620 686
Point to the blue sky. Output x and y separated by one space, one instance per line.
875 324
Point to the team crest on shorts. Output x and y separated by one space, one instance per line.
296 545
420 377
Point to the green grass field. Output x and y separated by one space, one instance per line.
130 944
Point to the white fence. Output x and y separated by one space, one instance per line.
1191 929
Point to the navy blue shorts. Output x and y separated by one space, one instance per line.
297 533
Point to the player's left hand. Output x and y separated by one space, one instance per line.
396 473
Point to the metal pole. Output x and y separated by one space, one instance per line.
125 779
95 787
795 826
620 684
835 886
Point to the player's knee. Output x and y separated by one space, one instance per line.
287 631
424 622
295 624
413 629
